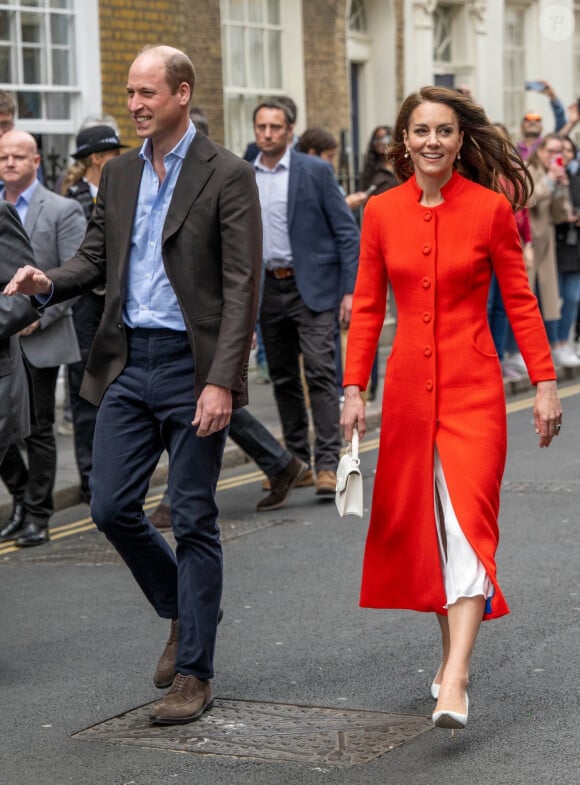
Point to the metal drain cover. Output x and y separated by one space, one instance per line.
269 731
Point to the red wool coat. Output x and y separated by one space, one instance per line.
443 383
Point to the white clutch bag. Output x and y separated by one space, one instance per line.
349 482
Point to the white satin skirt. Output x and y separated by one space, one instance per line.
464 575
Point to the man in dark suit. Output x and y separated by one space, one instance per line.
15 314
55 227
176 235
310 255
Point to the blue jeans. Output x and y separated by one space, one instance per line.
569 284
147 409
497 317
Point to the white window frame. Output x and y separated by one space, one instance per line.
239 130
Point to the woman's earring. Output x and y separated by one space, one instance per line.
459 155
406 154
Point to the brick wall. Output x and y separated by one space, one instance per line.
325 66
192 26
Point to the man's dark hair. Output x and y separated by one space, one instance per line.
317 139
7 105
282 102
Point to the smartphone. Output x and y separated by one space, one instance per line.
370 190
537 86
558 160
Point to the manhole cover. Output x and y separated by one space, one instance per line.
276 732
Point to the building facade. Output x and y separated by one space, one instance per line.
347 63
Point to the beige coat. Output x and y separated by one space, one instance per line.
549 206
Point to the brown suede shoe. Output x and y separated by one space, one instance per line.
282 484
325 483
186 701
165 670
306 481
161 517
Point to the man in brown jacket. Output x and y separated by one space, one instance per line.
176 237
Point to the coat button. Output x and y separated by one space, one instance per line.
428 385
426 317
426 283
427 351
426 248
427 215
119 325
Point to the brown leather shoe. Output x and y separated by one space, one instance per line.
165 670
306 481
186 701
161 516
282 484
325 483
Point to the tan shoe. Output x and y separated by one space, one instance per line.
165 670
325 483
186 701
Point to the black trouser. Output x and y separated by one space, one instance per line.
33 485
87 314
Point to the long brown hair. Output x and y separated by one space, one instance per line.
486 157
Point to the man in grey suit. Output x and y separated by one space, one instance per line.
55 227
176 235
15 314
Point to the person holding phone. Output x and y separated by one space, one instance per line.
549 206
532 123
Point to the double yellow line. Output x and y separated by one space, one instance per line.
86 524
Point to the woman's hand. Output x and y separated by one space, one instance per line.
353 413
547 412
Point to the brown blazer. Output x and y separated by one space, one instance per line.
212 253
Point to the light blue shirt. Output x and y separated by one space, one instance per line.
23 201
151 301
273 190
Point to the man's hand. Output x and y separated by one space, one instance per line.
30 329
213 411
28 280
345 310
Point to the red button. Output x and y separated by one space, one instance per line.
427 351
428 215
426 283
426 248
426 317
429 385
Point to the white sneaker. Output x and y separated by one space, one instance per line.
514 366
565 356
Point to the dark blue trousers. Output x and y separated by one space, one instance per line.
149 408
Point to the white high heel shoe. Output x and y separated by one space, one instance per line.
451 719
435 690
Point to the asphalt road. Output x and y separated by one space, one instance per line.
78 646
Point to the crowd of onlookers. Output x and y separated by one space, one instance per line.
310 253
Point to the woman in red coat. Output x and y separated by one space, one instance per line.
436 239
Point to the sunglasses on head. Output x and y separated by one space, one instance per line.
533 116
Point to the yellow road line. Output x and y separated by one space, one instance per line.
86 524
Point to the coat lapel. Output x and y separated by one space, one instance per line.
293 182
195 172
34 209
